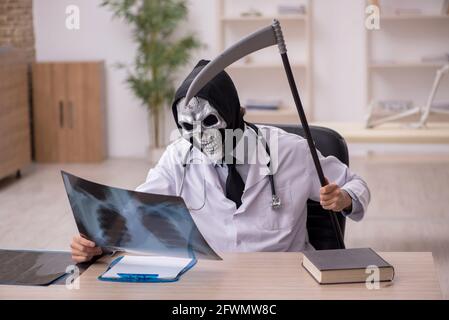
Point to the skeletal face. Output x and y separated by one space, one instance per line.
202 123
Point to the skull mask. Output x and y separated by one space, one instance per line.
203 126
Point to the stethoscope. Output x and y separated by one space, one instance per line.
275 200
184 165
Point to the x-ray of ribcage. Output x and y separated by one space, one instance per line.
135 221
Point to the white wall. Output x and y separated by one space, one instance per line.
339 59
99 37
102 38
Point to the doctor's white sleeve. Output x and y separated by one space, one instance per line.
336 171
160 179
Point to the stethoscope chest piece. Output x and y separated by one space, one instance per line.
275 201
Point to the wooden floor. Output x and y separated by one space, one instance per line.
408 212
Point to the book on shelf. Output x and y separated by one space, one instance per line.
252 12
260 104
394 105
436 58
408 11
291 9
383 62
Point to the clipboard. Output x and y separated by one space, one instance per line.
141 277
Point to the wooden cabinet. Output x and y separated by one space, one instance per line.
68 107
15 141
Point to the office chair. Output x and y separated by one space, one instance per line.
319 227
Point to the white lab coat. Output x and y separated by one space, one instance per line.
255 225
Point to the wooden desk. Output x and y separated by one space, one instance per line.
436 132
249 276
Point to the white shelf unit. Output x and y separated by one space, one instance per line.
264 77
266 18
404 65
394 67
415 17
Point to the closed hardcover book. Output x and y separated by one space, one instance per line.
347 266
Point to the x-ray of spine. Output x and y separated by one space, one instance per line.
134 221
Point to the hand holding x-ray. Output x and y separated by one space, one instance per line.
118 219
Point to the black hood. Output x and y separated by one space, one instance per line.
220 92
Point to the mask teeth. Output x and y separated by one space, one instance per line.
209 146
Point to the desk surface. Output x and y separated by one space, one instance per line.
436 132
249 276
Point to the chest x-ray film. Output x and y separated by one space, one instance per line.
33 267
132 221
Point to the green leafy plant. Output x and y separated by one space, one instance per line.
160 53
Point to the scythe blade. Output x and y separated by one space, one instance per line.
258 40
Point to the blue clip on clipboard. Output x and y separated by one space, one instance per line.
151 277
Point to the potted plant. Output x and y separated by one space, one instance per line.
160 54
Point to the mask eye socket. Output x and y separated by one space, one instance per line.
210 120
187 126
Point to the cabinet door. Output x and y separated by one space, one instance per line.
47 111
68 111
72 135
84 105
94 113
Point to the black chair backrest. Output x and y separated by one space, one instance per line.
319 226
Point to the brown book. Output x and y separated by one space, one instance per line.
346 265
